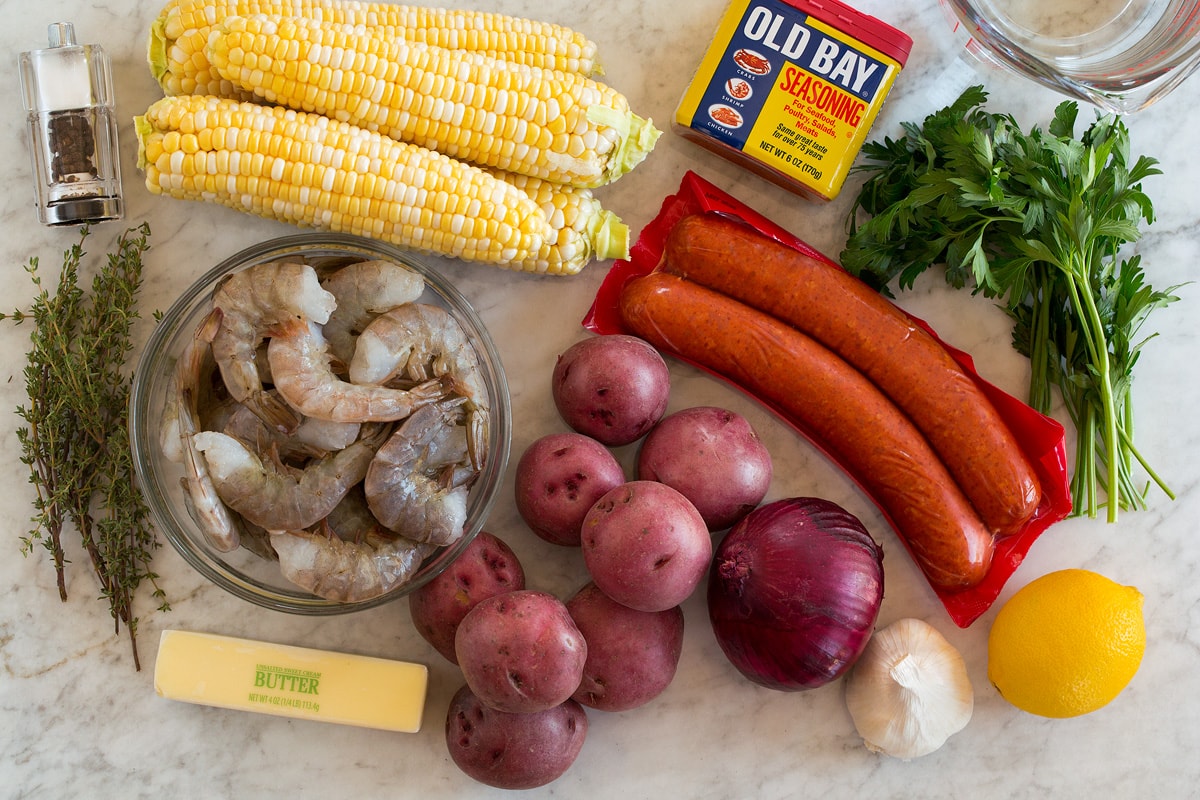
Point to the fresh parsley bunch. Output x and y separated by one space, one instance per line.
1037 220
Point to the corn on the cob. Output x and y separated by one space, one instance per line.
177 37
583 229
308 170
552 125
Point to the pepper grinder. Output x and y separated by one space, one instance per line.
68 94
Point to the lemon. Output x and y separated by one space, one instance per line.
1067 643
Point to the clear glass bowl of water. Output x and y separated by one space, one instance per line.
1121 55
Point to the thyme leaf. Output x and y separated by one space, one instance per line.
75 437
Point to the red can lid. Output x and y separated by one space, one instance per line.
867 29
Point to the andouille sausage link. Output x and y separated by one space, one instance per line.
833 402
878 339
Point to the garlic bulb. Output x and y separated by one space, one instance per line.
909 691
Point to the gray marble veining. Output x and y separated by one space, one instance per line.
79 721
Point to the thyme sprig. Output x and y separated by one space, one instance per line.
75 438
1038 220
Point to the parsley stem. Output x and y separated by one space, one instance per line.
1039 337
1039 219
1097 345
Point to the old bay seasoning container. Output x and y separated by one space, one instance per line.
789 89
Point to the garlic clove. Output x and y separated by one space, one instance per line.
909 690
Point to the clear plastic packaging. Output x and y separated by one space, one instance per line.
68 95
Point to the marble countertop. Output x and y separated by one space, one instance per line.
80 721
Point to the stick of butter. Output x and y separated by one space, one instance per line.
289 681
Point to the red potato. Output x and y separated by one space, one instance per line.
611 388
487 567
645 545
713 457
632 655
521 652
513 751
560 477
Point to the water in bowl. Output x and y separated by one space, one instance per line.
1122 55
1068 19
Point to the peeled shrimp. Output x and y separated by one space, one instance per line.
250 303
347 571
364 290
417 483
299 358
273 497
419 341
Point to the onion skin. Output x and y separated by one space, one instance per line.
794 591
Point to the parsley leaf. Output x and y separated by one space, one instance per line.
1037 220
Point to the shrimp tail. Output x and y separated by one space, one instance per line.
478 424
274 411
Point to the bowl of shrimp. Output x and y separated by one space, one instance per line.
320 424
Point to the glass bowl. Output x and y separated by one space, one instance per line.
1121 55
241 572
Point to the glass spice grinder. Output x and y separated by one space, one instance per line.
68 94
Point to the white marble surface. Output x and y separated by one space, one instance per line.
79 721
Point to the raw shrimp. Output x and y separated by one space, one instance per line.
220 527
314 438
349 572
193 372
363 291
419 341
251 302
348 556
327 434
351 520
258 541
170 436
215 415
417 483
274 497
299 359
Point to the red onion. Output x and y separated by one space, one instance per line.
794 592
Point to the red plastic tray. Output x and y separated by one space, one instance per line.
1041 438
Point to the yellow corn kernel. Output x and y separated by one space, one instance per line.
582 116
181 67
583 229
176 44
246 157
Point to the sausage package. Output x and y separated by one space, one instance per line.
1039 439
